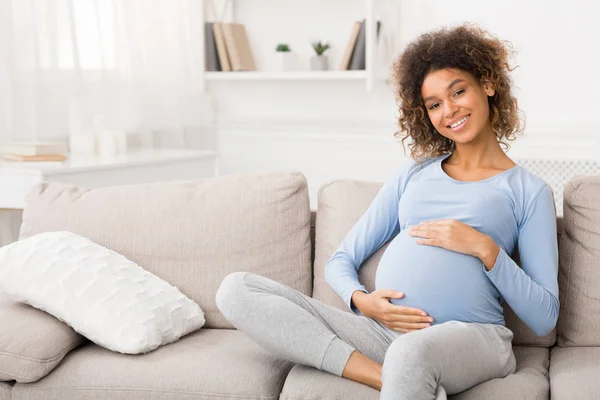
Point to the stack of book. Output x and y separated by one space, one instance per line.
227 47
34 151
355 53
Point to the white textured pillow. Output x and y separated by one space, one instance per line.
101 294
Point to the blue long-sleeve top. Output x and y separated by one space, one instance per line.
515 208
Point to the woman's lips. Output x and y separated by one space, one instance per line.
462 125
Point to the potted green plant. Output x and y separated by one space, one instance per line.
285 57
319 62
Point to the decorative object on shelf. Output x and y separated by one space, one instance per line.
286 59
110 143
320 61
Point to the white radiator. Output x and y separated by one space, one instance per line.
557 173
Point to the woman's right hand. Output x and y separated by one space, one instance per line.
376 305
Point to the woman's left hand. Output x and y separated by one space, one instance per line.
456 236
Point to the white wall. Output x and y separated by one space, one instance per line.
554 41
332 130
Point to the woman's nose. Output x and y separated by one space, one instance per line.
450 109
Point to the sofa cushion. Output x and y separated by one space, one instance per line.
102 295
191 233
341 203
5 390
207 364
323 385
579 273
32 342
574 373
530 381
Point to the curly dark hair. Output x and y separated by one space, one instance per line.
466 47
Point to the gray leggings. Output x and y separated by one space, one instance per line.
425 364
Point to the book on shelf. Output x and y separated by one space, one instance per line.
238 47
355 59
221 47
227 47
345 64
358 60
350 46
212 55
39 158
34 148
31 164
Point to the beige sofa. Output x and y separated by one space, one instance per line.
193 234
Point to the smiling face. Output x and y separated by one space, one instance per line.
457 105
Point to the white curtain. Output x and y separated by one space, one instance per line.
132 65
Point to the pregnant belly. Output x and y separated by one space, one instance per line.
445 284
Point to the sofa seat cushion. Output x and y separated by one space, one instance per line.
32 342
207 364
5 389
574 373
529 381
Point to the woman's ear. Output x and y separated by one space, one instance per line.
488 88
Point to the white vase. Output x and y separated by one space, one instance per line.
319 63
109 143
286 61
82 146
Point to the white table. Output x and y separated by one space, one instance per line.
141 166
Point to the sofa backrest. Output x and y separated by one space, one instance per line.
191 233
340 205
579 273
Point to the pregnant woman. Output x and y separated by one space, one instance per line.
454 214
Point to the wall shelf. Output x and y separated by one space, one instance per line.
367 76
286 76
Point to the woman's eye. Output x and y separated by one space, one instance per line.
459 92
434 105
